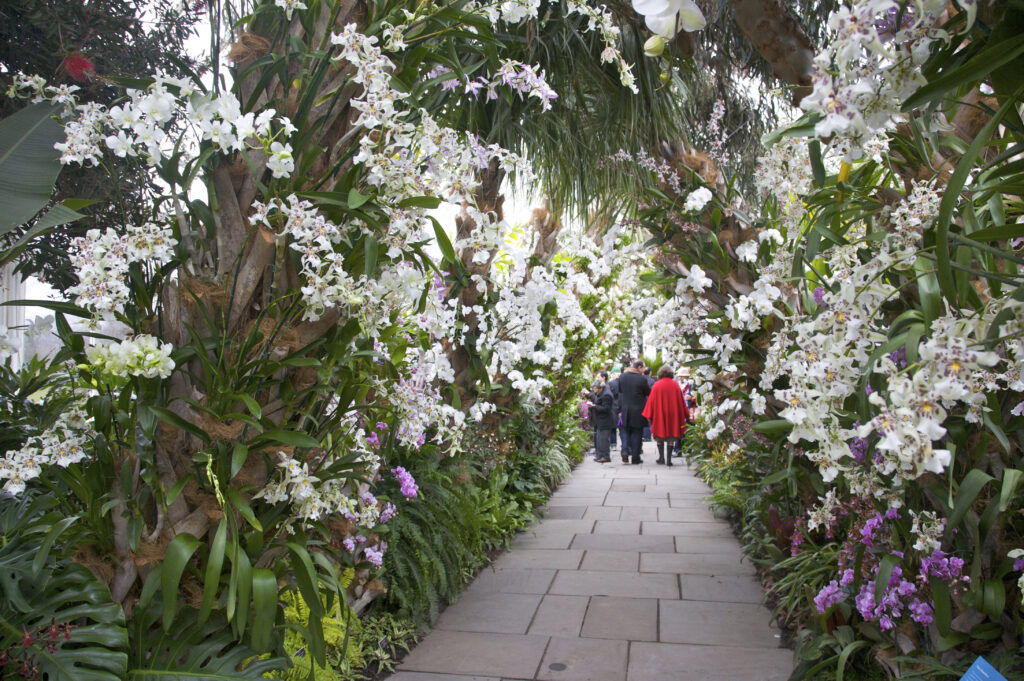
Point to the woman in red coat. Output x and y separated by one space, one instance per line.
667 412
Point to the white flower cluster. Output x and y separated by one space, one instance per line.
143 356
697 199
62 444
140 125
871 66
928 530
510 11
327 283
289 6
407 159
102 258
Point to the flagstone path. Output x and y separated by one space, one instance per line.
628 577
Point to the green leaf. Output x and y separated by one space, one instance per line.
844 656
265 599
239 454
43 552
179 552
1011 478
773 427
29 165
999 232
885 568
242 506
817 166
993 598
968 491
443 242
950 197
429 202
214 563
371 251
977 67
293 438
355 199
169 417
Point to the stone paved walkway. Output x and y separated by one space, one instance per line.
629 577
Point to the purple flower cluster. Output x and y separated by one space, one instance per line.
828 596
897 598
663 170
819 295
944 568
899 357
388 512
375 554
867 532
410 490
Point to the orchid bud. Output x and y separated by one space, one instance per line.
654 46
664 77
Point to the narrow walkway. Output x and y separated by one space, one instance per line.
629 577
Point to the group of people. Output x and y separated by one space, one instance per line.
631 402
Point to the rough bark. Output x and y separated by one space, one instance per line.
779 38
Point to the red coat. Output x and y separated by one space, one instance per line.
666 409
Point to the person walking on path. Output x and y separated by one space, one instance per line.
633 392
667 413
602 409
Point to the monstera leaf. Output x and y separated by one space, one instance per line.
45 594
188 651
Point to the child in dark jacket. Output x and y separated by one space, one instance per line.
604 419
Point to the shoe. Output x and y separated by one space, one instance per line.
603 460
662 461
638 462
669 463
625 459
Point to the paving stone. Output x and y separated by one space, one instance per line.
499 613
649 513
577 659
624 542
627 486
709 529
636 500
602 513
611 561
731 588
593 500
421 676
560 616
512 581
558 559
716 624
555 526
565 512
470 653
617 527
700 514
698 544
600 583
675 662
694 564
629 619
529 540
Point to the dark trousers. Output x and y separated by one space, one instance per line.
635 438
602 448
623 438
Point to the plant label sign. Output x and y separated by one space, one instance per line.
982 671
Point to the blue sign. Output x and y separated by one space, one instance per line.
982 671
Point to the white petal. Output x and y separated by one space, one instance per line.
650 7
690 16
662 24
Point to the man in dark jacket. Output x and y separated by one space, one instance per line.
633 392
601 406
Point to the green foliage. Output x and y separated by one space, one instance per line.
55 616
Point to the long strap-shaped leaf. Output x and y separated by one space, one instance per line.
952 194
